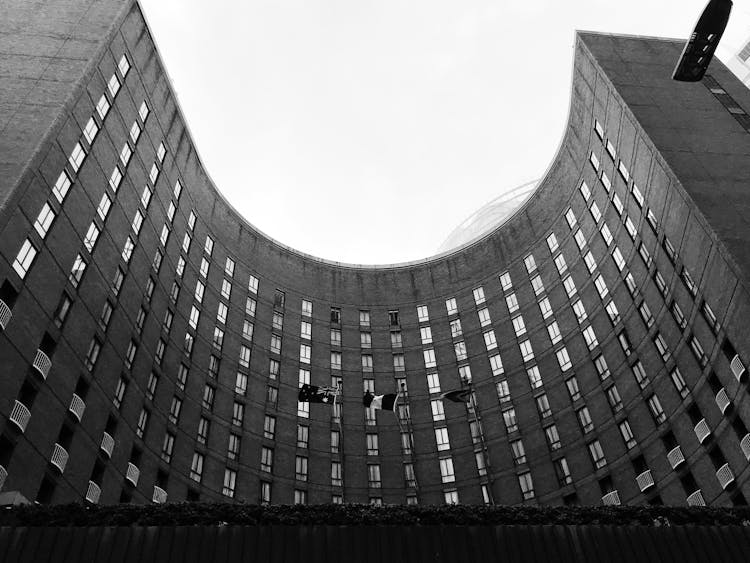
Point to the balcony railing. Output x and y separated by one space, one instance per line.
42 363
696 499
645 480
725 476
5 314
702 431
77 406
93 493
160 495
108 444
20 415
59 457
745 445
132 474
738 368
675 457
722 400
611 498
3 475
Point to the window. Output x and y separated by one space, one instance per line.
624 341
63 308
561 265
218 338
678 316
597 454
640 374
203 426
335 337
226 289
484 317
265 492
595 213
44 220
450 306
580 239
526 351
233 448
617 257
76 272
422 314
661 346
146 197
537 284
519 453
250 306
456 330
585 191
208 248
372 444
425 334
238 414
584 419
167 447
512 302
93 354
433 382
553 437
590 337
24 258
438 413
182 375
240 384
527 486
614 399
364 319
509 418
114 179
505 281
61 187
698 352
373 476
570 218
446 470
272 396
656 409
336 360
691 286
503 391
530 264
563 472
535 378
135 132
679 382
164 234
230 478
393 318
102 107
552 243
103 209
335 437
125 154
573 389
266 459
208 397
601 286
545 308
643 251
490 341
365 340
518 325
300 468
570 286
710 317
479 295
196 467
305 330
336 474
630 226
563 359
542 406
590 262
77 157
153 175
275 344
661 284
496 364
612 312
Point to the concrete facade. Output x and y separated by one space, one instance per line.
646 203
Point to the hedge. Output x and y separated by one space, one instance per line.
190 514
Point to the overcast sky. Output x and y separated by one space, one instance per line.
364 131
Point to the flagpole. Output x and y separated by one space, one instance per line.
410 433
485 452
341 441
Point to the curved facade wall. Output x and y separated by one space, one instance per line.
154 341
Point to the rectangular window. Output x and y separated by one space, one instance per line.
450 306
24 258
91 236
535 378
77 157
496 364
233 448
76 272
512 302
422 314
509 418
61 187
196 467
102 107
553 437
479 296
446 470
597 454
490 340
484 317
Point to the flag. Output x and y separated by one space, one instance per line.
385 402
457 395
315 394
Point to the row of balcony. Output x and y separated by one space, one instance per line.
5 314
20 414
94 492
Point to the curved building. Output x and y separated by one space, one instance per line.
153 342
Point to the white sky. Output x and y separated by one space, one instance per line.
364 131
